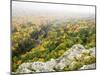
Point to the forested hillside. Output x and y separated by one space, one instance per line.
43 41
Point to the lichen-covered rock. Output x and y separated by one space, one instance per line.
50 64
62 63
68 56
90 66
24 68
75 65
86 52
72 59
93 52
80 57
74 51
44 67
38 66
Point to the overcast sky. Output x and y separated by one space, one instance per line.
27 8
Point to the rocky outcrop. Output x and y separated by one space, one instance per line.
69 56
76 58
90 66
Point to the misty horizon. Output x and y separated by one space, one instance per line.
44 9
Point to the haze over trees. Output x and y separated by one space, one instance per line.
40 33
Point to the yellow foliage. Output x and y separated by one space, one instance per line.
41 60
19 62
60 52
41 48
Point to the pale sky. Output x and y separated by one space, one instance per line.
25 8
